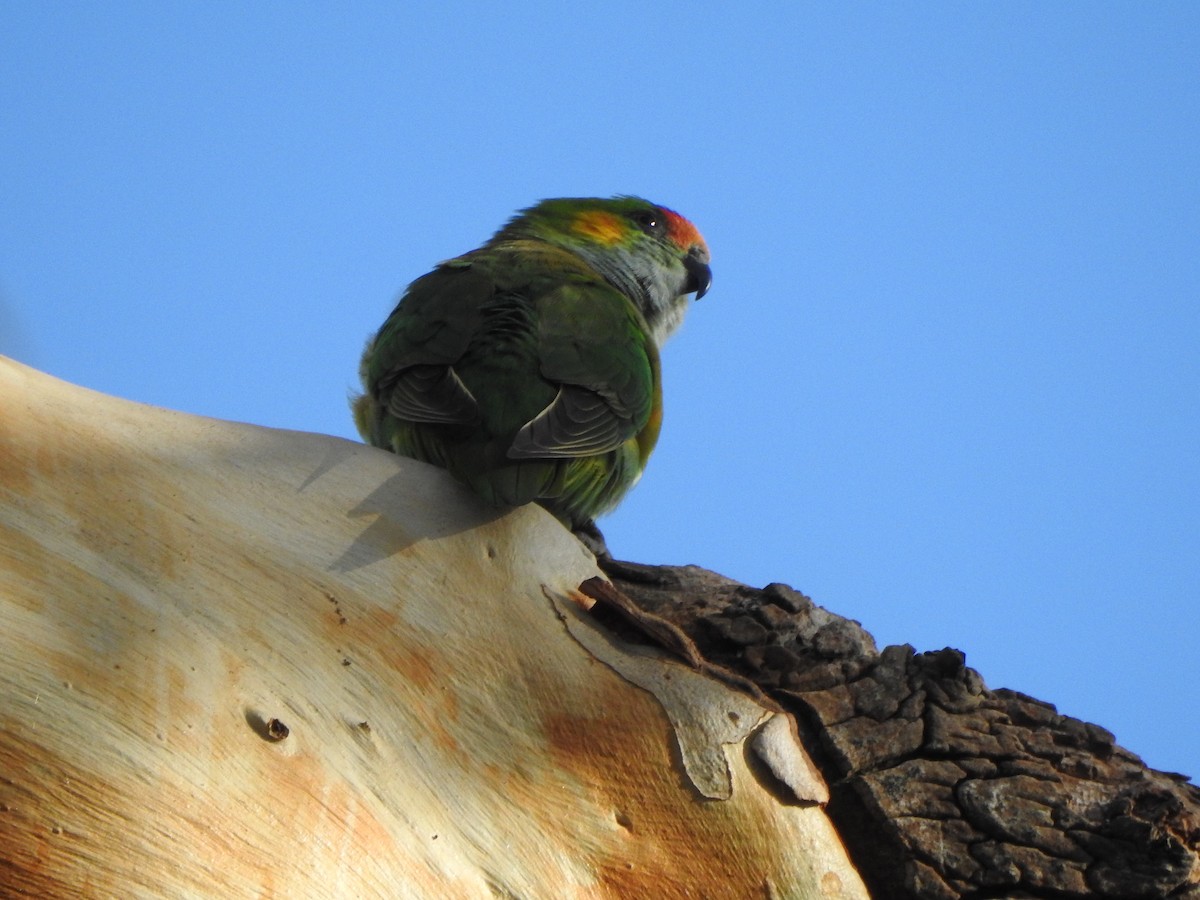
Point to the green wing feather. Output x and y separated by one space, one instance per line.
409 366
521 371
592 342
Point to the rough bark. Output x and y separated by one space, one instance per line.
244 662
940 787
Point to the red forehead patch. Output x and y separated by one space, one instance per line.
682 232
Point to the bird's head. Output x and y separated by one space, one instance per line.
653 255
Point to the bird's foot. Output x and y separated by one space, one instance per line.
591 538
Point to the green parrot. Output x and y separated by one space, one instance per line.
529 368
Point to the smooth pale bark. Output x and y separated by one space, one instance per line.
241 662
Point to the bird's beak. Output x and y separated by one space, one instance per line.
699 275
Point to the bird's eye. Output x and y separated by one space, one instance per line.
648 221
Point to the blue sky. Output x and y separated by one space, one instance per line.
947 380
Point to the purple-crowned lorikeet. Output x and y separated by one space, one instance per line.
529 368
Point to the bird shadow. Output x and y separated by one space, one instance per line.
418 502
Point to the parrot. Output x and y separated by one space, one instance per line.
529 367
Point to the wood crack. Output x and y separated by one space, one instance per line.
941 788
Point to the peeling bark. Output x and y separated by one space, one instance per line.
941 788
242 662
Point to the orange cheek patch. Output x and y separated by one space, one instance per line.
602 227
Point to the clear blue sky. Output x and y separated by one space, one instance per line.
947 380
